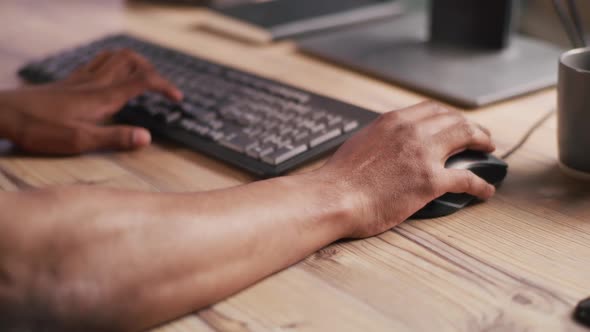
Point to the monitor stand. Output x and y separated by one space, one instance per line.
399 51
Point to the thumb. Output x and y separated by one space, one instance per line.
117 138
63 139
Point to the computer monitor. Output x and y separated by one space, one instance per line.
461 51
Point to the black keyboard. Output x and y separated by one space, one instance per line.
256 124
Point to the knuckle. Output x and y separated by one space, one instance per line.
440 109
393 116
126 52
103 55
485 130
386 121
458 117
453 111
462 120
468 129
435 106
430 103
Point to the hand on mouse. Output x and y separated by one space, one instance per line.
396 165
68 117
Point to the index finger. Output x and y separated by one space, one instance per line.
146 75
146 81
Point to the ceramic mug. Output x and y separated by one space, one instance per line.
574 113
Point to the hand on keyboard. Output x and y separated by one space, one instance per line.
68 117
396 165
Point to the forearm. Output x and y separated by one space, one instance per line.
220 242
150 257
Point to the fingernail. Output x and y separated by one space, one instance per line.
141 137
492 191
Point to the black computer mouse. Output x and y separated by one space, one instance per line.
582 312
484 165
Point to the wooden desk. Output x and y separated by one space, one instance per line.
519 262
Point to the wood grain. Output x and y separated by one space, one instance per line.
517 263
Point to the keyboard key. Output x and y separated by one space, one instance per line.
317 128
299 109
215 135
172 117
197 112
239 142
194 127
323 137
254 151
253 131
334 120
272 138
300 135
350 125
283 154
285 130
215 124
261 151
318 115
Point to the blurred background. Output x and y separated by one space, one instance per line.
538 16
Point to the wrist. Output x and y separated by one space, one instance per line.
338 206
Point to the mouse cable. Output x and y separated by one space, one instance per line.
528 134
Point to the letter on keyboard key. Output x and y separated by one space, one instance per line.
283 154
324 136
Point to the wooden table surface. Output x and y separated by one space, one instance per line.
517 263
